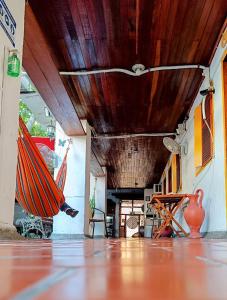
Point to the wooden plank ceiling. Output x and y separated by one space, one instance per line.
119 33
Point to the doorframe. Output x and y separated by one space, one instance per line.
120 214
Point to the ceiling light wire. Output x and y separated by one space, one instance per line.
125 136
138 70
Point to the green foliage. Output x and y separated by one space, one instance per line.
26 114
37 130
92 201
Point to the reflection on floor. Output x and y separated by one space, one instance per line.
113 269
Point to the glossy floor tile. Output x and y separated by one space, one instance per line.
113 269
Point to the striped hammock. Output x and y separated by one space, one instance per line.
36 190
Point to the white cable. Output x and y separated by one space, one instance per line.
204 118
124 136
203 108
139 72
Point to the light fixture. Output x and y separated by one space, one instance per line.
51 130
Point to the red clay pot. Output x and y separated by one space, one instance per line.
194 214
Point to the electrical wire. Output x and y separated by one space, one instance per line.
138 72
124 136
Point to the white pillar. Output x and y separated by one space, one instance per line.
9 102
77 186
100 199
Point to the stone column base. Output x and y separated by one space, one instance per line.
9 232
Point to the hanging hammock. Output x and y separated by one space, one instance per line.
61 176
36 190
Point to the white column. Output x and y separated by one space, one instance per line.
77 186
9 100
100 199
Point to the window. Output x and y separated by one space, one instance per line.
176 173
170 180
164 185
203 145
207 149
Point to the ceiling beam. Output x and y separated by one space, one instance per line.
40 66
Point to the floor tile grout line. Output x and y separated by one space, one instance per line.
211 261
43 285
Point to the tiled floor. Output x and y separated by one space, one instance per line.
113 269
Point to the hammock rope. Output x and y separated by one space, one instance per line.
61 176
36 190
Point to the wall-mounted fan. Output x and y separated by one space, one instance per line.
172 145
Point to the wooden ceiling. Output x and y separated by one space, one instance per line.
90 34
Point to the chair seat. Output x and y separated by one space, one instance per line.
96 220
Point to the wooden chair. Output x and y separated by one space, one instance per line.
94 220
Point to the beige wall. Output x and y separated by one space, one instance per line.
9 95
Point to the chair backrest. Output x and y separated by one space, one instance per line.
92 202
92 206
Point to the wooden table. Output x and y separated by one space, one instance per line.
167 206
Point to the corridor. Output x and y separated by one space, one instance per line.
113 269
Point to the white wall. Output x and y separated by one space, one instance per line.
212 178
77 187
9 97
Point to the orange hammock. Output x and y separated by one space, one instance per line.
36 190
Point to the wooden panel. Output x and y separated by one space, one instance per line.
170 182
38 62
115 33
198 136
179 172
174 173
164 186
131 163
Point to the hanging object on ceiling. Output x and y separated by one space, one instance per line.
14 65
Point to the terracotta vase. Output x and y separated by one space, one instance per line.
194 214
